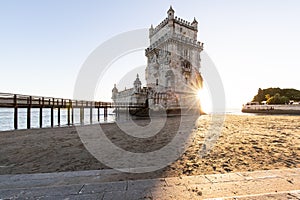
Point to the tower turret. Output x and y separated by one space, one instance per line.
137 84
171 13
151 29
195 23
114 92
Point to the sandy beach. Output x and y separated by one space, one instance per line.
246 143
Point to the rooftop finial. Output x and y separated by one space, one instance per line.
195 21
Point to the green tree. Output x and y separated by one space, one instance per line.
277 99
267 96
285 95
260 96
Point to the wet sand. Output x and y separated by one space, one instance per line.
246 143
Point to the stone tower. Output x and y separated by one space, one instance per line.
173 58
172 73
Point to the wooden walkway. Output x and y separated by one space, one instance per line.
25 101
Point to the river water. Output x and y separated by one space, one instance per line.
7 117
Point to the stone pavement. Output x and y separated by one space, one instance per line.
271 184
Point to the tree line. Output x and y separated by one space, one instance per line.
276 95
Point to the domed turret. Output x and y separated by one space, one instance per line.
171 13
114 92
137 84
151 30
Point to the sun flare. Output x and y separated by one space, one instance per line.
203 95
199 94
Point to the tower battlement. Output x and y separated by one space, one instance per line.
158 27
190 25
174 38
174 24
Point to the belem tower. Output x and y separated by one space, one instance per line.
172 73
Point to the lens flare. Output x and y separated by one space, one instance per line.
199 94
203 95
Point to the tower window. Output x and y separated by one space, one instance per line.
156 81
185 52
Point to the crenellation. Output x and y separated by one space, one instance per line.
185 23
160 26
175 37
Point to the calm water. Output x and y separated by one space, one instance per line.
231 111
7 117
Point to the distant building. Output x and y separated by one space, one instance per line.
172 73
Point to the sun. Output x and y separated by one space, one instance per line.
199 94
203 95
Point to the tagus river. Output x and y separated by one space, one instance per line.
7 117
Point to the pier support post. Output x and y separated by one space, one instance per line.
117 112
69 107
29 113
52 116
41 117
91 115
58 116
41 111
16 118
98 113
52 113
72 115
105 113
68 115
15 112
28 117
81 115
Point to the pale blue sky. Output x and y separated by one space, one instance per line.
44 43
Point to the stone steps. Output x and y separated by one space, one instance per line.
97 184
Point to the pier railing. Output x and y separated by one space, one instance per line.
25 101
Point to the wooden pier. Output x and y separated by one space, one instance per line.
17 101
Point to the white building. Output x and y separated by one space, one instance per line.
172 73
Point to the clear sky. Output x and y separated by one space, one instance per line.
44 43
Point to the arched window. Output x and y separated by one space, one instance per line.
186 66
